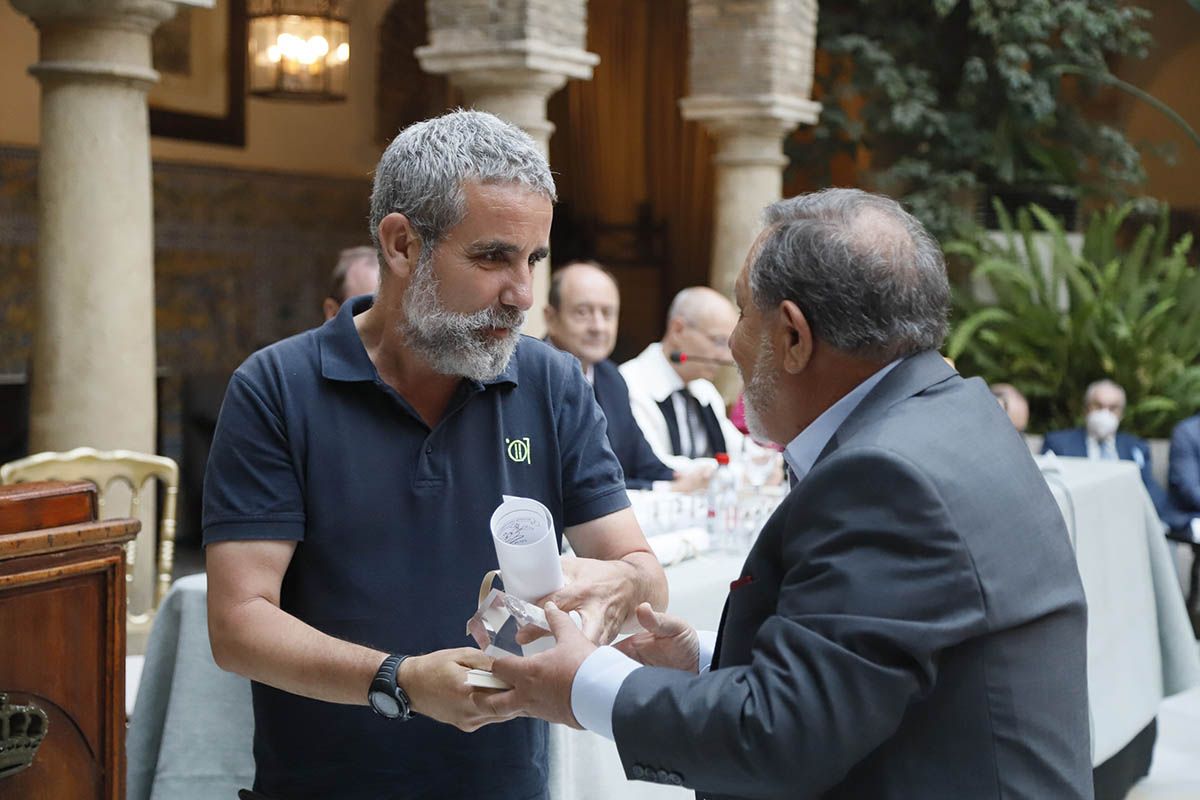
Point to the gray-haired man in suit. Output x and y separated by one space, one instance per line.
910 623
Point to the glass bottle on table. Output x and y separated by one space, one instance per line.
722 506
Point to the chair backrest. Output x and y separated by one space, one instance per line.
105 468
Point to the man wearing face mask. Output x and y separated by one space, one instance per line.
1099 440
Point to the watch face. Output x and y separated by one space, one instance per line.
385 704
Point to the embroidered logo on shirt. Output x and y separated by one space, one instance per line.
518 450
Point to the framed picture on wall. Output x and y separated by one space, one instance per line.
200 56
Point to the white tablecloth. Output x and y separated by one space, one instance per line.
191 731
1140 642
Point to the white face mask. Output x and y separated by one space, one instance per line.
1102 423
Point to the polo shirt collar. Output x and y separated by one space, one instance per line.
344 358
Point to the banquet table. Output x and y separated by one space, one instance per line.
191 731
1140 644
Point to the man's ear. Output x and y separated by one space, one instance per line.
400 244
797 347
549 314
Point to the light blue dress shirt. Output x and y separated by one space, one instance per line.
599 678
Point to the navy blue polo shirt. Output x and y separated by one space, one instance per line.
391 520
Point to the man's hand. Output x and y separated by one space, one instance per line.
693 480
541 683
668 641
604 593
436 685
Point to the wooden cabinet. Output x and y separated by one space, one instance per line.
62 638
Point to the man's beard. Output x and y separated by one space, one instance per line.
453 343
760 392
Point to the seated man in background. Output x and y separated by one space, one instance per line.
1013 403
581 318
357 272
670 383
1098 440
1183 476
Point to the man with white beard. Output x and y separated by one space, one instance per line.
354 471
910 622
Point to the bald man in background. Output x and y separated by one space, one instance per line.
357 272
674 401
581 313
1014 404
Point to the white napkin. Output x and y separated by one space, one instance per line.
671 548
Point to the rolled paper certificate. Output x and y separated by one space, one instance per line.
527 549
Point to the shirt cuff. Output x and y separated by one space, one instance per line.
594 690
708 647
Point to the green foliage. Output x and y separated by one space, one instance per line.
949 95
1128 310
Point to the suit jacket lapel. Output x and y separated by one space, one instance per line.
914 375
668 411
716 437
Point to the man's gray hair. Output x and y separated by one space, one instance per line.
422 172
1104 383
868 277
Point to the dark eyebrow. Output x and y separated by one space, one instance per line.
493 246
540 253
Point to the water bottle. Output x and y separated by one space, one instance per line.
722 506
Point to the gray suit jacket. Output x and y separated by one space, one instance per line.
909 624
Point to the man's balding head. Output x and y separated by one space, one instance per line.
1013 403
582 311
838 284
699 323
868 278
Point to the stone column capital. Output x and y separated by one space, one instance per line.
520 60
783 112
98 41
750 130
141 16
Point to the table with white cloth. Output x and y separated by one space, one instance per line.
192 727
1140 643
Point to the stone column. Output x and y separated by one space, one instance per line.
93 358
93 370
508 60
750 65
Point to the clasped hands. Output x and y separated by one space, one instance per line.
605 595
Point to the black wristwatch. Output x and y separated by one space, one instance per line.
386 696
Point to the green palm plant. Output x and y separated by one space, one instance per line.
1124 309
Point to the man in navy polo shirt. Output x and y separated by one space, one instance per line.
354 470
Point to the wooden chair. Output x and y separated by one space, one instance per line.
105 468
